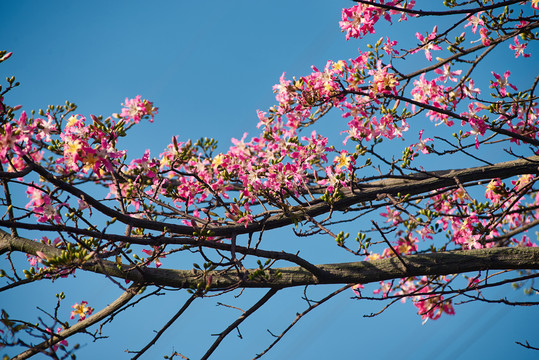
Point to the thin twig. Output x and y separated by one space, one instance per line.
167 325
389 244
238 321
298 317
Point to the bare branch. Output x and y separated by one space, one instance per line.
82 325
238 321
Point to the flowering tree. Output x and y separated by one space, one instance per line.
427 234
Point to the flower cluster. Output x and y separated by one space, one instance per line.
136 109
360 19
282 168
88 148
15 140
42 205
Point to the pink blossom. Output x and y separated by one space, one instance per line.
81 310
359 20
479 126
427 44
388 47
524 242
47 128
425 233
383 82
485 40
385 288
475 21
446 73
406 245
357 289
135 109
344 160
495 190
6 56
473 282
421 145
33 260
470 91
155 252
407 5
63 342
502 83
392 216
519 48
432 307
8 139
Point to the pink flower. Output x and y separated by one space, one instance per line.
427 44
135 109
484 36
63 342
425 232
446 73
81 310
344 160
432 307
46 128
495 191
6 56
519 48
473 282
392 216
356 289
8 139
406 245
388 47
475 21
383 82
422 144
359 20
478 128
33 260
154 252
470 91
524 242
502 83
407 5
385 288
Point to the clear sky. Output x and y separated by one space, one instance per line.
209 66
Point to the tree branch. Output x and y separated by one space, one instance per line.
238 321
82 325
167 325
412 184
361 272
437 13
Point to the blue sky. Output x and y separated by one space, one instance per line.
209 66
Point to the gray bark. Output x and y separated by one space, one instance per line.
361 272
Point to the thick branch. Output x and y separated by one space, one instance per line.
363 272
437 13
414 184
16 243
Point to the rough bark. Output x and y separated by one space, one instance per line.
413 184
363 272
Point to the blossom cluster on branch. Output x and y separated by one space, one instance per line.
288 175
